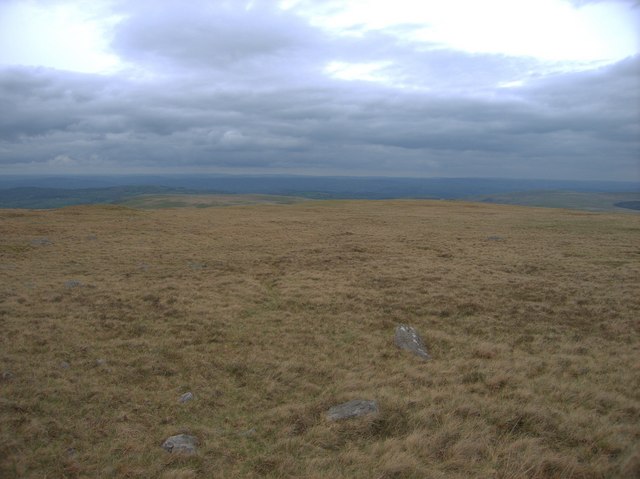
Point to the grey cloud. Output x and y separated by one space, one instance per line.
265 46
375 129
205 35
216 99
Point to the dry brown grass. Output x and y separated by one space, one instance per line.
272 314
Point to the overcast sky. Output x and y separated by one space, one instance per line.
458 88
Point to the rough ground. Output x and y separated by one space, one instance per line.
271 315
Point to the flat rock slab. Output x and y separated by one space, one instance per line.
41 242
180 444
351 409
409 339
186 397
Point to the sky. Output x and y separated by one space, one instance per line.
464 88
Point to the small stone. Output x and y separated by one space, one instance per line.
180 444
92 237
409 339
351 409
7 375
248 432
65 365
196 265
186 397
101 362
41 242
495 238
72 283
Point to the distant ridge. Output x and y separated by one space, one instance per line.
45 198
632 205
58 191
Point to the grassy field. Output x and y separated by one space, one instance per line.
206 201
271 314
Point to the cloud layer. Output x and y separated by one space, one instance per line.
219 87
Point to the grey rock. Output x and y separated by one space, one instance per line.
248 432
408 338
64 365
7 375
181 444
41 242
495 238
351 409
92 237
196 265
101 362
186 397
72 283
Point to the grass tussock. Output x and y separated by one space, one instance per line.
272 314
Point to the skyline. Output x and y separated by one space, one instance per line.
547 89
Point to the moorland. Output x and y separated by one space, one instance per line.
270 314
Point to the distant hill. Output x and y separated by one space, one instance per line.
45 198
55 192
632 205
592 201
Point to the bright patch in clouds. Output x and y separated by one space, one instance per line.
372 71
67 36
552 30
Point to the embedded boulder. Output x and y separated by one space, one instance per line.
41 242
186 397
408 338
351 409
180 444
